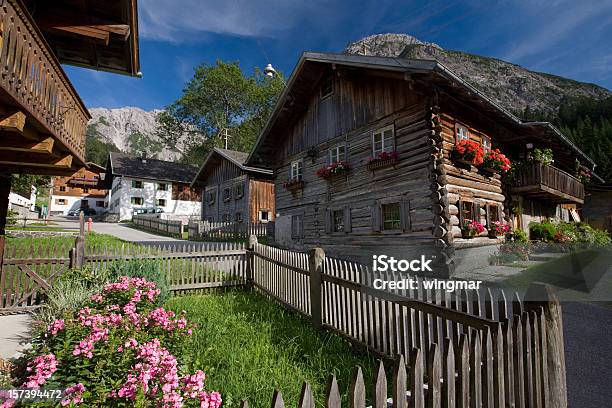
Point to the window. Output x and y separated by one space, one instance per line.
297 226
391 216
136 200
162 187
62 188
227 194
486 143
161 202
210 220
382 141
85 190
60 201
226 217
212 197
136 184
336 154
493 213
100 204
238 217
337 220
327 86
467 211
296 169
264 216
462 133
238 191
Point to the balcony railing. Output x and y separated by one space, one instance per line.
31 74
539 180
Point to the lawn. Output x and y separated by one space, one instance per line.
248 346
57 244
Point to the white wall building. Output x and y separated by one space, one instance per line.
136 182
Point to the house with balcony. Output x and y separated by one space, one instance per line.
136 183
42 118
365 152
83 190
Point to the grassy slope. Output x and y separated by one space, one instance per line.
249 346
58 244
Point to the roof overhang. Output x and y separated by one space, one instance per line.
311 66
212 159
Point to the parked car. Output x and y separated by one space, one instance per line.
74 213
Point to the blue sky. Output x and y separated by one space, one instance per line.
570 38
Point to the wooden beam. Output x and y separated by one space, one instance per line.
13 122
20 164
44 146
95 34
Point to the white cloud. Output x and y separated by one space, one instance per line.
189 20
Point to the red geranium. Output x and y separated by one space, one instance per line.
470 151
496 160
383 156
338 167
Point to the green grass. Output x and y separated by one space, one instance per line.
248 346
55 244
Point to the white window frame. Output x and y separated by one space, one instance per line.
337 153
461 132
297 169
384 146
157 204
159 185
132 199
486 146
261 219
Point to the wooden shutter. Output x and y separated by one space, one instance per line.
376 217
347 219
328 220
302 216
406 223
460 213
476 215
488 209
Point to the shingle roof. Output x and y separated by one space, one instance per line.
236 157
122 164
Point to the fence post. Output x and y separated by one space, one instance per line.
250 271
542 295
315 267
77 258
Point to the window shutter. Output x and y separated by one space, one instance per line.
477 212
460 214
405 215
302 233
488 210
375 217
328 221
347 219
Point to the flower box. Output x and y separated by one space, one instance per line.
498 229
471 228
333 171
495 161
468 152
294 185
382 160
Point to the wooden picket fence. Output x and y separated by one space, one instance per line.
505 353
158 225
204 230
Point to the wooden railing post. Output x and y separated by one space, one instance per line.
250 259
5 190
540 295
77 256
315 267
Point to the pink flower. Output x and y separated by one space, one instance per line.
74 395
56 326
41 367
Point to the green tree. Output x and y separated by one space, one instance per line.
96 149
139 144
22 183
218 97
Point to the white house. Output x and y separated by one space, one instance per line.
83 190
140 182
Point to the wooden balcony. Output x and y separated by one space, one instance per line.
550 183
42 119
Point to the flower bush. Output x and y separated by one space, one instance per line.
498 228
470 151
496 160
382 156
542 156
333 169
471 228
118 350
510 252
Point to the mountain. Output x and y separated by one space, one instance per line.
510 85
129 129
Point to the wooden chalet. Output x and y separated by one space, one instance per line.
42 118
393 122
233 191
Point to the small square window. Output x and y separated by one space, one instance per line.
100 204
338 220
462 133
467 210
136 184
161 202
296 169
391 216
62 188
336 154
227 194
238 217
212 197
264 215
226 217
486 143
162 187
238 191
85 190
383 141
137 200
327 85
494 213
